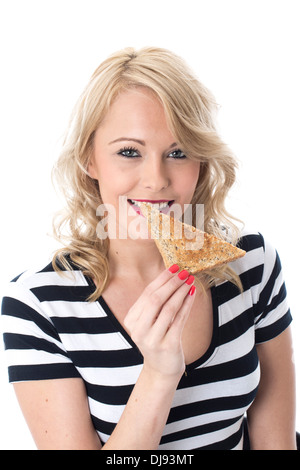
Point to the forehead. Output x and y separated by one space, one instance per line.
137 100
136 111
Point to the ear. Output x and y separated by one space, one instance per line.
92 169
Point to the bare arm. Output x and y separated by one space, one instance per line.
271 417
57 411
57 414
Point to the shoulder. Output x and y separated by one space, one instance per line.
253 243
259 249
43 275
43 283
250 240
260 260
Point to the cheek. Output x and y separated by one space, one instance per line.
189 178
195 174
113 182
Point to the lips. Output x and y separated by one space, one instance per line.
163 205
153 201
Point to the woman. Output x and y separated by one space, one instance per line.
106 347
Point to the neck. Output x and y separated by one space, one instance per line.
134 258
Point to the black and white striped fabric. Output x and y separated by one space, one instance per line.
52 332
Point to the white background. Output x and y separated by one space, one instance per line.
245 51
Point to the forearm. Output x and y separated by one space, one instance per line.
145 415
271 418
155 323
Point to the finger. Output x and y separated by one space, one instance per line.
156 294
163 278
177 325
159 299
170 311
162 293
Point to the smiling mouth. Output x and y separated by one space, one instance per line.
162 205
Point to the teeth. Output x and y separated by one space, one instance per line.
158 206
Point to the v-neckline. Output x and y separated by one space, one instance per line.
189 367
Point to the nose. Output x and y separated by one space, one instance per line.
154 175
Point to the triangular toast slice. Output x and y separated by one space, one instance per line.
185 245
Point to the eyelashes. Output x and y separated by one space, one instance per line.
132 152
129 152
177 154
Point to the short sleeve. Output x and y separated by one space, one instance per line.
33 350
272 313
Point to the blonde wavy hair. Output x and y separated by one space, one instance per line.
191 111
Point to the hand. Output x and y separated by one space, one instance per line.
156 321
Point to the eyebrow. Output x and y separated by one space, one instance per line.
132 139
120 139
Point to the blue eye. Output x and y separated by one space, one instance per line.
129 152
177 154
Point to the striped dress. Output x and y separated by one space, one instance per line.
52 332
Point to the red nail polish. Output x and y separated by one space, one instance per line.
173 269
183 275
192 290
190 280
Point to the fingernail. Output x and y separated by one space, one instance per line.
173 269
183 275
192 290
190 280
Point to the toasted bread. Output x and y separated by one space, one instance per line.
185 245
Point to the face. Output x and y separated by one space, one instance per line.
137 157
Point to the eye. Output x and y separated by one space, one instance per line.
177 154
129 152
